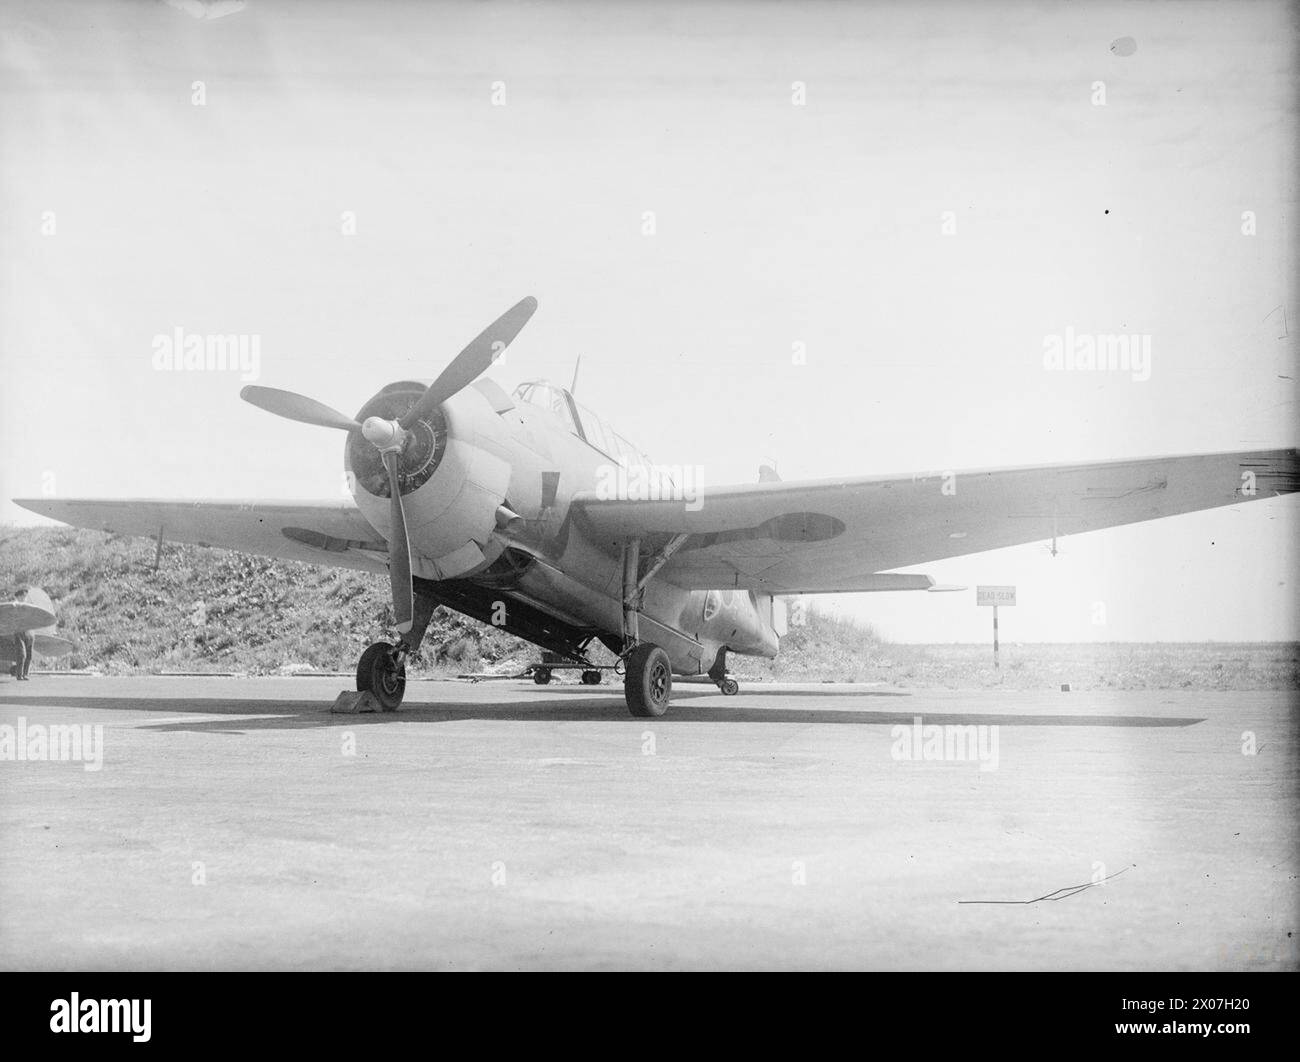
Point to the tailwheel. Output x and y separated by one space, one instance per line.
381 674
729 687
591 678
648 682
541 675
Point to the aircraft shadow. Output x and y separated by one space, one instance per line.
595 706
692 689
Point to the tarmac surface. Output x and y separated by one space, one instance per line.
237 824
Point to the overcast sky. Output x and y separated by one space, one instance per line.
490 151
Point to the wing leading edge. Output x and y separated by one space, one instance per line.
836 535
328 533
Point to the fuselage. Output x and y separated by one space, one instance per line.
487 486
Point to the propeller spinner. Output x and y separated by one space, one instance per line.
390 437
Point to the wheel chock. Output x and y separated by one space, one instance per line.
354 702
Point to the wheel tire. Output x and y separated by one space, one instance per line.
378 676
648 683
729 687
591 678
542 675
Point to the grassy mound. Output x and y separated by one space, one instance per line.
214 610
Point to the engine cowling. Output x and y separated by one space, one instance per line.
453 475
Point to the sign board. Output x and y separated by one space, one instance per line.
995 595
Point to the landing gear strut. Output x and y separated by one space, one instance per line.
648 678
381 671
718 674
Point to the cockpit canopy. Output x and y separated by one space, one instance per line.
580 420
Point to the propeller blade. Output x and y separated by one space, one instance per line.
297 407
399 549
473 361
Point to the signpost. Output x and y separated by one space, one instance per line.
995 596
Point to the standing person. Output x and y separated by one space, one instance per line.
24 646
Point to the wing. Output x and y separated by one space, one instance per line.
835 535
328 533
47 645
18 616
51 645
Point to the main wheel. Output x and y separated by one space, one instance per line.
591 678
648 682
541 675
379 674
730 687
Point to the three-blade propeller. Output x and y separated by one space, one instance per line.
297 407
474 360
390 437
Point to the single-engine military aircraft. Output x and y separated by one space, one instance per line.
528 511
33 615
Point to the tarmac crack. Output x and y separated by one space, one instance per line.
1063 893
